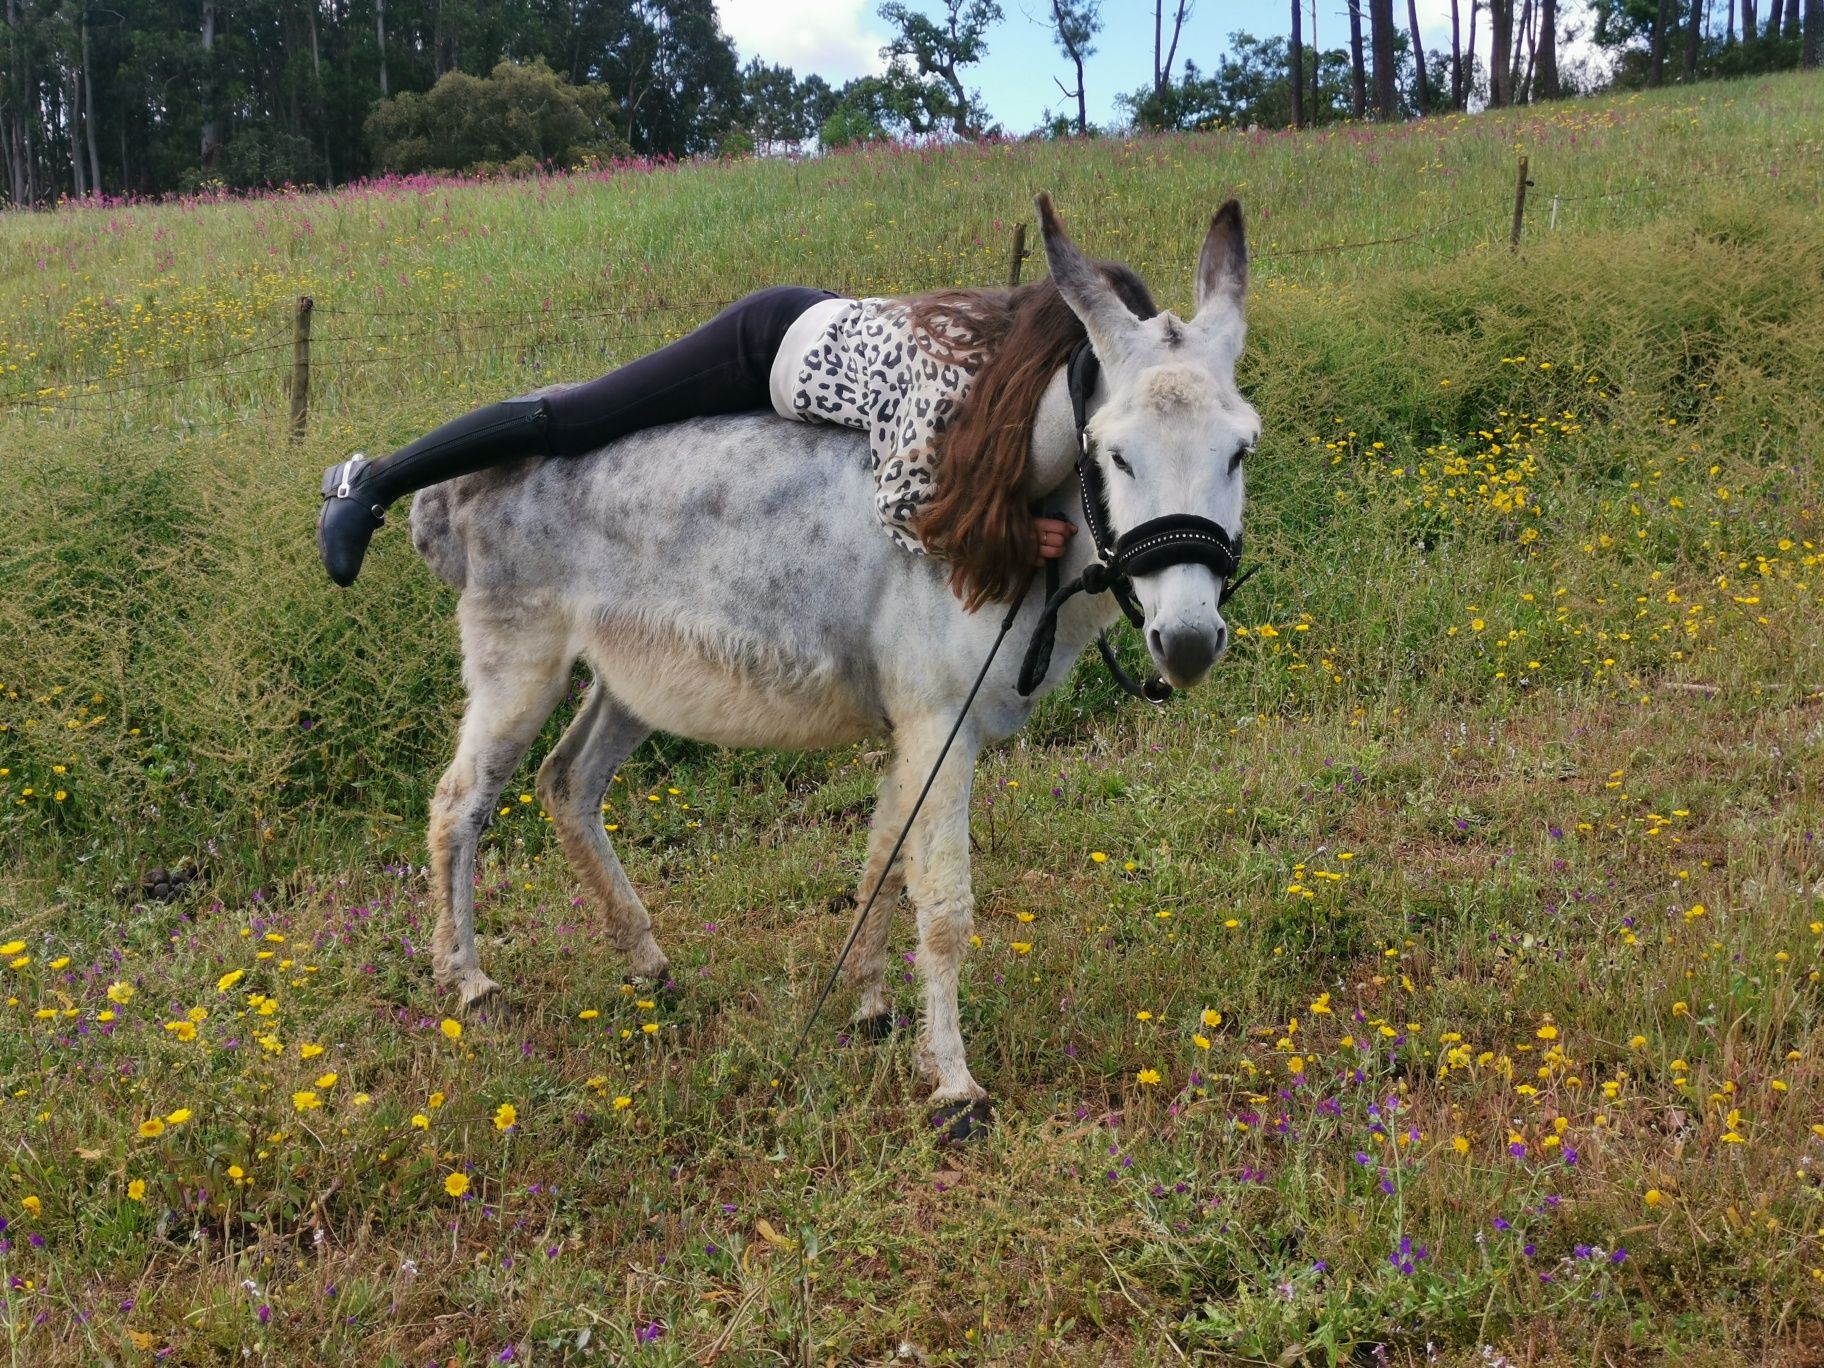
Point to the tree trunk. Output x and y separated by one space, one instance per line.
1750 18
1469 53
1729 26
1421 80
1661 20
1791 29
1456 60
1298 64
1694 38
211 140
1547 86
380 41
88 109
1380 35
1082 103
71 120
1516 86
1358 68
1501 51
1813 53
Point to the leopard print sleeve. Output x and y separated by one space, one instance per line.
868 372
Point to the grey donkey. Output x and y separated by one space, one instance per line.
726 579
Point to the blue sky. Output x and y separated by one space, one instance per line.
841 39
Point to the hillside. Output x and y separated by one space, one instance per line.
1443 972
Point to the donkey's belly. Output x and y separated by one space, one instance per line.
719 691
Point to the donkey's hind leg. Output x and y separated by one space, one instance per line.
515 663
571 783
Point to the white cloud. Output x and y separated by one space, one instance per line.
833 38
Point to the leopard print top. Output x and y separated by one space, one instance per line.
868 371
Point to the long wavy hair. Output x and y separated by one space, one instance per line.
1013 341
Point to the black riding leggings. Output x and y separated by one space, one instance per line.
724 366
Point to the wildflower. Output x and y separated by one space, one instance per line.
229 979
506 1116
435 1100
588 1014
1460 1144
1547 1032
327 1080
136 1190
183 1030
308 1051
306 1101
456 1184
1212 1018
178 1117
12 947
33 1205
622 1103
1147 1076
120 993
421 1121
451 1028
1099 856
1201 1042
650 1028
152 1128
1654 1197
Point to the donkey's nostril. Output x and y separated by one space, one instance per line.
1157 642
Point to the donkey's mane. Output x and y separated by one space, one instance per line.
1013 341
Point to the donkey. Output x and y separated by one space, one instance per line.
725 579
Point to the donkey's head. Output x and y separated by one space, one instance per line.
1172 429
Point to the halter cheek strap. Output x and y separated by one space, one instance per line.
1176 539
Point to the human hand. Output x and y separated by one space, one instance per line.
1054 537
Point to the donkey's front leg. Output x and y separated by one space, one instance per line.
866 970
938 879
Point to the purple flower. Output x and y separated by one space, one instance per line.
1620 1256
1502 1223
264 1313
651 1332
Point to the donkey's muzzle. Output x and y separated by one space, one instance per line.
1184 654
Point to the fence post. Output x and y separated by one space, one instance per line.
1018 254
300 368
1513 241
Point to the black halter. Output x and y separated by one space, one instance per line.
1176 539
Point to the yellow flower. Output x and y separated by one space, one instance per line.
1212 1018
136 1190
152 1128
178 1117
588 1014
1021 947
421 1121
435 1100
1201 1042
12 947
306 1101
32 1205
451 1028
1547 1033
61 962
309 1051
650 1027
1654 1197
456 1184
183 1030
1460 1144
1099 856
120 993
229 979
622 1103
327 1080
506 1115
1147 1076
236 1172
1638 1042
1143 1016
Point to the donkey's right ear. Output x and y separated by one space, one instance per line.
1092 299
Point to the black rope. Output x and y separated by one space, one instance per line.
905 831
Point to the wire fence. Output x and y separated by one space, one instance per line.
474 333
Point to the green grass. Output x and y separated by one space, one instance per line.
1502 809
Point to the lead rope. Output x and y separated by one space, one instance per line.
905 831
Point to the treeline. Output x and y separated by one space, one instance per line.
153 96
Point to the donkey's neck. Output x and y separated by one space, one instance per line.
1054 436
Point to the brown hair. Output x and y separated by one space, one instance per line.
978 519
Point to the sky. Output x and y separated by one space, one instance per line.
841 39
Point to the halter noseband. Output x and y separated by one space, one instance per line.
1175 539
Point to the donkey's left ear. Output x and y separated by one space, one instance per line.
1222 266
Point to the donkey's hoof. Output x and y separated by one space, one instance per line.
478 992
961 1123
873 1029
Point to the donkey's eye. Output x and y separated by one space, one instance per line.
1235 460
1120 462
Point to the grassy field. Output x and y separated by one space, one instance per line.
1440 983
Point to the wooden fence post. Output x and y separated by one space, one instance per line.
1018 254
1513 241
300 368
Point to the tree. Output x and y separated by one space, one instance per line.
1422 94
1358 70
1501 52
772 105
1381 34
526 115
1548 87
941 49
1296 60
1164 54
1075 24
1812 54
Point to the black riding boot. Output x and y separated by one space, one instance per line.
356 492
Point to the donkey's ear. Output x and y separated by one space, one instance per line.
1222 266
1092 299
